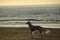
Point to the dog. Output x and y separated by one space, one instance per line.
33 28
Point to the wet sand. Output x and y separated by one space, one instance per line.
23 33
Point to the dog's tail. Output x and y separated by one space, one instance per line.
46 32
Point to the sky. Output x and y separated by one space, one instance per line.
28 2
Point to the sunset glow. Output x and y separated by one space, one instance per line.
28 2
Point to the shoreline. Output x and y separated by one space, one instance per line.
24 25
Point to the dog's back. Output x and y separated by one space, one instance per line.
40 29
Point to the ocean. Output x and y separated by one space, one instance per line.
46 14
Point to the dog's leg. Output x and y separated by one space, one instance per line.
31 36
41 36
33 33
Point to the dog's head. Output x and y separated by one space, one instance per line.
28 22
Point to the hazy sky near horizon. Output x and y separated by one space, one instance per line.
28 2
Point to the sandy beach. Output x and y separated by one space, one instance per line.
20 33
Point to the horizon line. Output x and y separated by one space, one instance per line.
30 5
